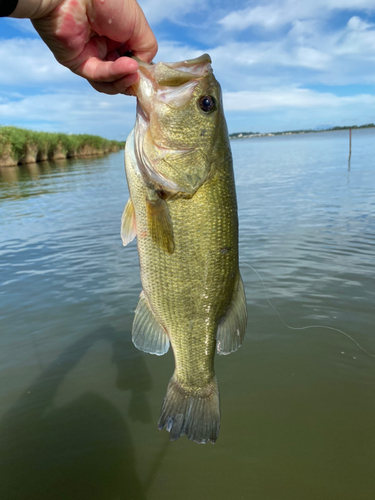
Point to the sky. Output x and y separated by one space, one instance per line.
282 64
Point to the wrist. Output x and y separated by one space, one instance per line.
34 9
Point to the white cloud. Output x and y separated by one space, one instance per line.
322 112
173 52
266 55
26 61
281 12
269 71
291 98
355 23
158 10
357 38
75 112
267 16
307 54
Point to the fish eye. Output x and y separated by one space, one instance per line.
207 103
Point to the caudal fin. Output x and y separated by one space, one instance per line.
196 416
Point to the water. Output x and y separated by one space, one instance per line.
79 404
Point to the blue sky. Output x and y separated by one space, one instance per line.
282 64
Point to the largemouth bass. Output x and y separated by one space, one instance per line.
183 210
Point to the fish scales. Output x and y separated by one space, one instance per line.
191 288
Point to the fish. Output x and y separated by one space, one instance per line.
182 208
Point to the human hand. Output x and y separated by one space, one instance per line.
90 36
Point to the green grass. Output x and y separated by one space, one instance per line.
16 142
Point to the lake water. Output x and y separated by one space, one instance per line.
79 404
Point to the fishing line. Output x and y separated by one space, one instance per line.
304 327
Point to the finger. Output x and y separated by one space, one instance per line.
120 86
128 25
145 51
146 56
143 43
94 69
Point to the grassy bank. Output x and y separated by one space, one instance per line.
19 146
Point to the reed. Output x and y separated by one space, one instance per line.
19 146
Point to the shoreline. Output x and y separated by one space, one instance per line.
247 135
6 163
21 146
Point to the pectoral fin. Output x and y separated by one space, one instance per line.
128 225
148 335
231 330
160 223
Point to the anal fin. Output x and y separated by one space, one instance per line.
148 335
232 327
128 224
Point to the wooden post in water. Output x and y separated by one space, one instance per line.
350 147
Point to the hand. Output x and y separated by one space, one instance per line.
90 36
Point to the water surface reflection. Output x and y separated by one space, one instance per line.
80 450
78 408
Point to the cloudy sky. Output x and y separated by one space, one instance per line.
282 64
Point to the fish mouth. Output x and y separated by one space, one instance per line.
172 84
165 78
175 74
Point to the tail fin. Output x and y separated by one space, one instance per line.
197 416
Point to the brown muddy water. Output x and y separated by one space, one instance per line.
79 404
